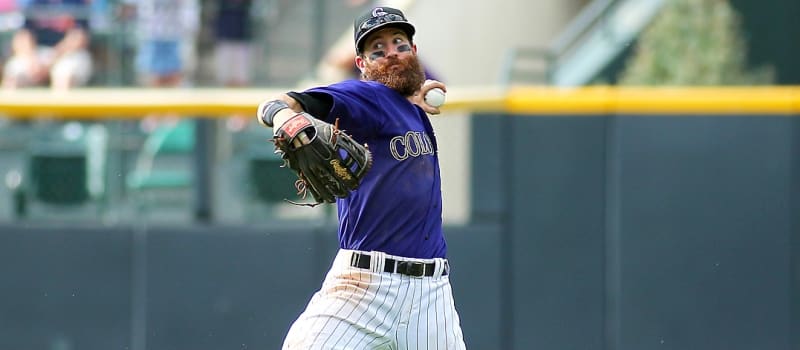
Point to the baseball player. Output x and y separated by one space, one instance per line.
388 287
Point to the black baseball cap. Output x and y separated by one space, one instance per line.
378 18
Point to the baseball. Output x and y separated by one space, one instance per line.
435 97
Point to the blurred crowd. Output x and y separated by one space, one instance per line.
149 43
64 44
56 42
68 43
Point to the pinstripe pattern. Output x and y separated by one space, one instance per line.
370 309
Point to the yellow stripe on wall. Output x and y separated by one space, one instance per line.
89 103
207 102
654 100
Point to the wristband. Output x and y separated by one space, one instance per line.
268 109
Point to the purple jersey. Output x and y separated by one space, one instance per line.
398 207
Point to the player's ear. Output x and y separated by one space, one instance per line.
360 62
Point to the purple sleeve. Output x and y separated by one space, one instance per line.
354 104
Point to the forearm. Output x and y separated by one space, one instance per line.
272 114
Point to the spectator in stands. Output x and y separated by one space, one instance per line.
233 51
51 47
162 27
166 31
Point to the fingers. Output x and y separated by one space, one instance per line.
432 84
300 141
419 99
429 85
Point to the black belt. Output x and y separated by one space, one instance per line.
408 268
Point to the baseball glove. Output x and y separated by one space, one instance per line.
327 161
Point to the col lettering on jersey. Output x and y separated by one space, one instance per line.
412 144
398 207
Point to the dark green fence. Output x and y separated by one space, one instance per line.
588 232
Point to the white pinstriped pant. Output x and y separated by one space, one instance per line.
371 309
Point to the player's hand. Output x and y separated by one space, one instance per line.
280 118
419 97
328 162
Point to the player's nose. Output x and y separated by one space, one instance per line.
392 52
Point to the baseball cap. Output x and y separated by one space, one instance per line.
378 18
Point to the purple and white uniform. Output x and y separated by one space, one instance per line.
388 287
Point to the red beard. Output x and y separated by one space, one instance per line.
405 76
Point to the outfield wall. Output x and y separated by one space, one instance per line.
628 231
598 227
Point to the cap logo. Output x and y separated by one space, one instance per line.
378 11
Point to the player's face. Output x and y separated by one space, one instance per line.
390 58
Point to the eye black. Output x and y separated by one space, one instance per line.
376 55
